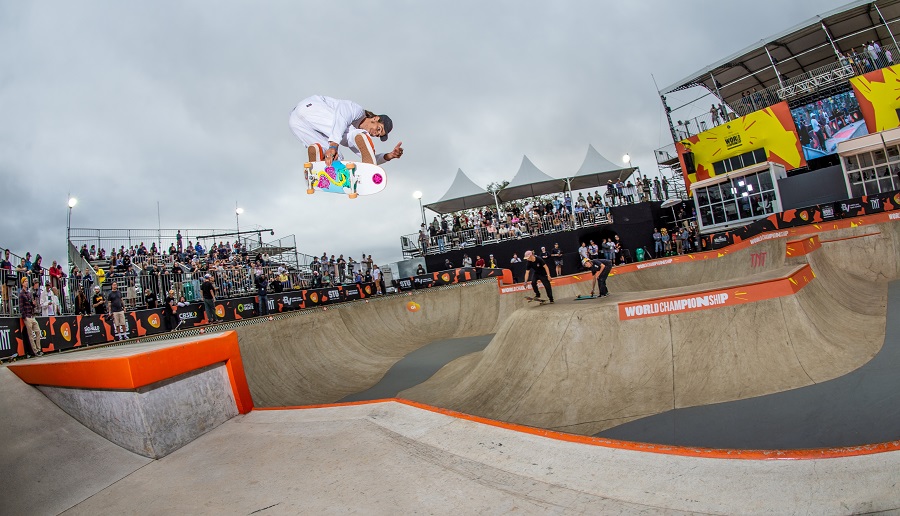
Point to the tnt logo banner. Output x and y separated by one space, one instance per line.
10 337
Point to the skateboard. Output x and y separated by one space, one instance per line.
538 299
344 177
582 298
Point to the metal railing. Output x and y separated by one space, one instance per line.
230 282
508 229
849 65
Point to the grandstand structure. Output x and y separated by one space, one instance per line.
513 227
798 99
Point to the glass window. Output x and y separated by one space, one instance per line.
884 179
855 177
765 181
719 167
702 197
714 194
857 190
893 153
731 211
727 191
879 157
759 156
736 163
753 183
706 215
871 183
718 213
744 207
768 202
865 159
757 204
851 163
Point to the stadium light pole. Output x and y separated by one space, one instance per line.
72 202
237 219
418 195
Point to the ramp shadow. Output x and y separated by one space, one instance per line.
419 366
861 407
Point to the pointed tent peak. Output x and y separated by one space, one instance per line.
462 194
462 186
596 171
530 181
529 174
594 162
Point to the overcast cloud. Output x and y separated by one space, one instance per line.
185 103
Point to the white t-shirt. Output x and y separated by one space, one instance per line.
335 120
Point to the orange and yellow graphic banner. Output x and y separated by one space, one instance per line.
878 94
771 129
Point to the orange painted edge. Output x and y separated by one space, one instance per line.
803 246
684 451
851 237
877 218
754 292
142 369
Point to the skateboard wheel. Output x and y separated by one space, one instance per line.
310 191
307 165
353 195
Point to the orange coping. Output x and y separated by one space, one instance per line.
802 246
141 369
717 298
794 233
664 449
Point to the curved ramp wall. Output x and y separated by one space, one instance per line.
578 369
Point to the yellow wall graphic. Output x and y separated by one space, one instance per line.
878 93
771 128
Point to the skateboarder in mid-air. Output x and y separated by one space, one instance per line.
537 270
323 124
600 268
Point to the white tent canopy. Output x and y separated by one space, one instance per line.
596 170
462 194
530 181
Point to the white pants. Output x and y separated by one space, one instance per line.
310 136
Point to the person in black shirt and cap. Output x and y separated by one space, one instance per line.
536 269
600 268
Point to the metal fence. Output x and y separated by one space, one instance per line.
849 65
511 229
231 282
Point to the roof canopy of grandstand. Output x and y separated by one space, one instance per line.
597 171
462 195
797 51
529 181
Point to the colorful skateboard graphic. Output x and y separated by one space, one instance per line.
346 177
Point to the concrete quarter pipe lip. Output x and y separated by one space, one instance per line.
664 449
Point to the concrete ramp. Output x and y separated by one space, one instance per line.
576 367
323 356
52 462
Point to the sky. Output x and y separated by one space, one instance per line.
124 105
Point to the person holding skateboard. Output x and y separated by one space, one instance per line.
537 270
600 269
323 124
